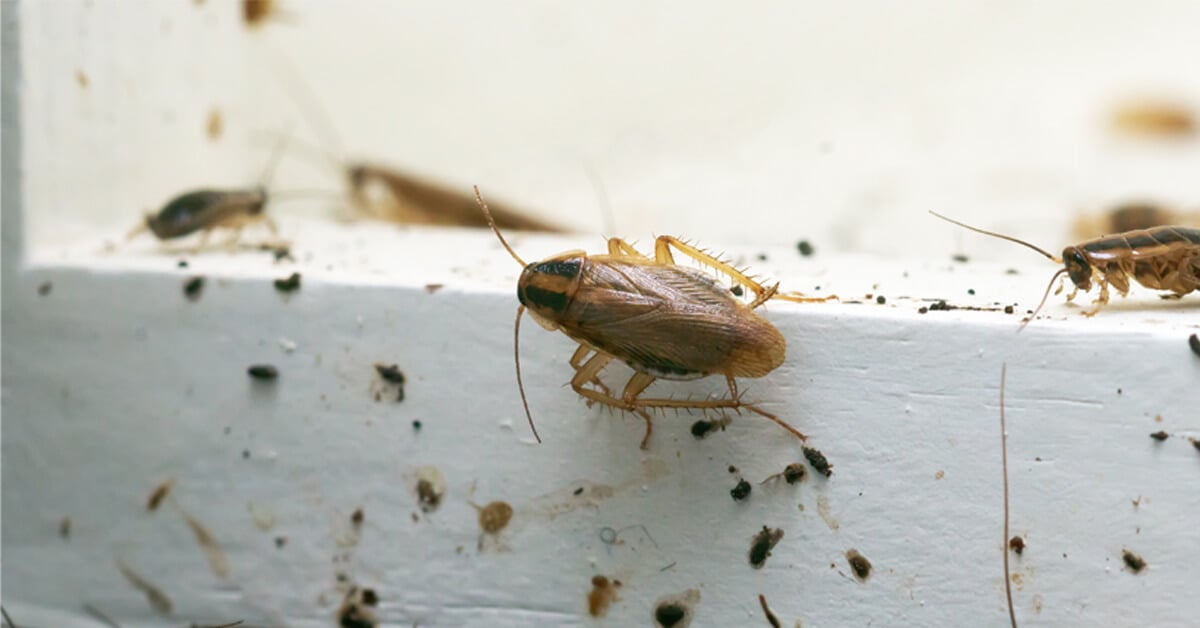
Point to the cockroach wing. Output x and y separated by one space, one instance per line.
669 321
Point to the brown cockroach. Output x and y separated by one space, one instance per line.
664 320
1160 258
380 192
205 210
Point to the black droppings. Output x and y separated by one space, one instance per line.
1194 343
357 517
1134 562
940 306
670 614
289 284
390 373
960 258
416 425
805 247
741 491
794 472
1008 309
762 257
859 564
182 263
922 310
1160 436
762 544
369 597
881 299
818 461
737 290
192 287
1017 545
264 372
45 287
971 291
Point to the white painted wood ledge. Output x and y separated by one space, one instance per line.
114 382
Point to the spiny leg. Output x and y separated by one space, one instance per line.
1100 301
577 360
589 371
621 248
662 254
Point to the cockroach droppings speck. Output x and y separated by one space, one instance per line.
603 593
1134 562
794 472
741 491
289 284
1017 545
1160 436
818 461
762 544
1194 343
192 288
859 564
264 372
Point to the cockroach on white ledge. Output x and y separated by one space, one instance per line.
1160 258
664 320
205 210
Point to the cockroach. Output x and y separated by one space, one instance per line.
664 320
1159 258
206 210
383 193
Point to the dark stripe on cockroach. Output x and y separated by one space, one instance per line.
569 269
1144 238
552 300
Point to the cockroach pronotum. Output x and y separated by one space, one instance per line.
205 210
664 320
1160 258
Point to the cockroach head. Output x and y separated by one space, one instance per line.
1078 268
547 287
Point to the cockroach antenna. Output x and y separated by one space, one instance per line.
1045 296
520 312
1012 615
1056 260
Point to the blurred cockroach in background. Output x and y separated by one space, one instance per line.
208 209
665 320
382 193
1159 258
1130 217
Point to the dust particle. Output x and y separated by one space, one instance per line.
859 564
939 475
1160 436
291 283
82 78
431 487
433 287
280 542
1154 118
794 472
264 372
741 491
495 516
1017 545
818 461
157 496
217 561
157 599
357 517
602 595
762 544
255 12
64 528
45 287
1134 562
193 287
215 125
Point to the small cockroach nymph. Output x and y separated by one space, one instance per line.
205 210
664 320
1160 258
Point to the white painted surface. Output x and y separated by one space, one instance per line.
114 382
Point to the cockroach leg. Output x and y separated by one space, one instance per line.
577 361
619 247
589 371
1101 300
634 387
662 254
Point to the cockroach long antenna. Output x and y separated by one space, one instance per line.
8 620
1012 615
610 221
280 146
998 235
306 101
495 229
517 361
1043 301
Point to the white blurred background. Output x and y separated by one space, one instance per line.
840 123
